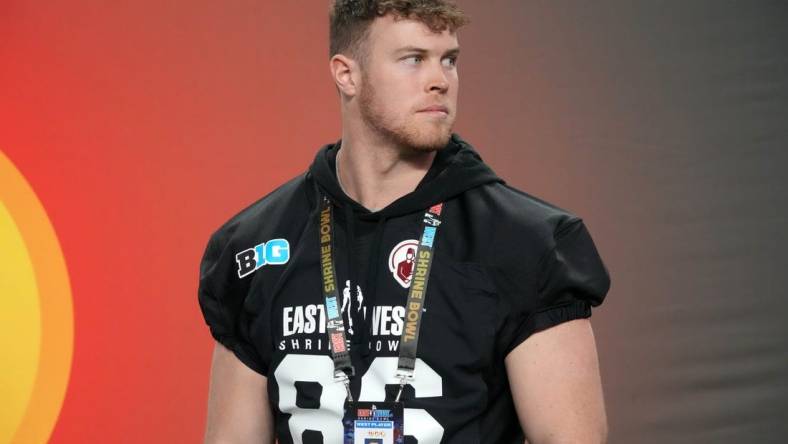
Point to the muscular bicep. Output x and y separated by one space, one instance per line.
556 386
238 409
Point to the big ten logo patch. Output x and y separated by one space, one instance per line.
273 252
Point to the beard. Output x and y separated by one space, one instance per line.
412 132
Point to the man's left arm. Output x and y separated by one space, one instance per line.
556 385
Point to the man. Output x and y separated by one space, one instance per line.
405 268
486 341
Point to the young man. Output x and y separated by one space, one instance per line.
473 326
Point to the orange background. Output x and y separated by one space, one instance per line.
142 126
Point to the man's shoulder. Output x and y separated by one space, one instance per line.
514 230
522 214
276 214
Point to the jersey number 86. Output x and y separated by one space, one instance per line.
327 419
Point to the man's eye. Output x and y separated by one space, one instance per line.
452 61
415 58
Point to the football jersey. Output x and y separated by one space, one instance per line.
506 265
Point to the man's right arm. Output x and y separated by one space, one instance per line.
238 409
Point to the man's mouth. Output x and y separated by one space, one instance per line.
436 109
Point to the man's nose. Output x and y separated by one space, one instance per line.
438 79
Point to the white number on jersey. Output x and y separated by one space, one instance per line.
327 418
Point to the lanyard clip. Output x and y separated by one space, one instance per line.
340 376
405 377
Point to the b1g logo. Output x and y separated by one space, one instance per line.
273 252
401 261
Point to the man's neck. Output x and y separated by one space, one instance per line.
377 174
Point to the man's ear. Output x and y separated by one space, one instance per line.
346 75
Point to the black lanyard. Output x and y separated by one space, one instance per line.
335 326
417 294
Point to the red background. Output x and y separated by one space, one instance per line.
142 126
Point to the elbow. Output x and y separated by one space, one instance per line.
591 435
601 430
600 435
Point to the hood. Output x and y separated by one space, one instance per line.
455 169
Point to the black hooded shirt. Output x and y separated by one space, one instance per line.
506 265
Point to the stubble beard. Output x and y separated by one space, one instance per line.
418 136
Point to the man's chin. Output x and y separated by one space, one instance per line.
431 142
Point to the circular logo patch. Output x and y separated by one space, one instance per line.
401 261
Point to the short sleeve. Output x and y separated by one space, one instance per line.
569 279
222 296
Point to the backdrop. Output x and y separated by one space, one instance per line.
130 130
